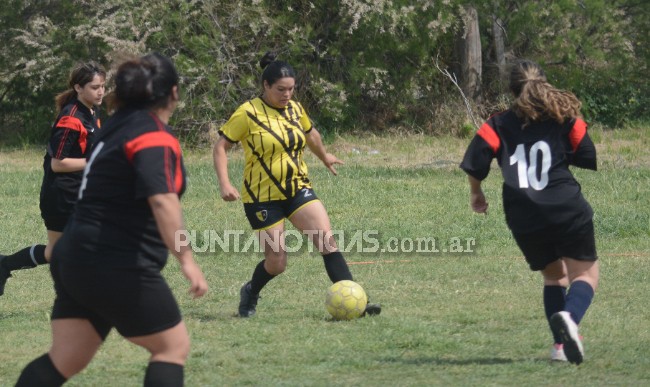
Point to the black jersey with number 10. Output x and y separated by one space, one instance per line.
539 190
133 158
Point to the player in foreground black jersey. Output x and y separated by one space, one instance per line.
274 130
106 266
534 143
70 138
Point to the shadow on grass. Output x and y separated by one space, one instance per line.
444 361
207 317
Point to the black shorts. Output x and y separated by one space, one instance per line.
264 215
547 246
56 207
135 301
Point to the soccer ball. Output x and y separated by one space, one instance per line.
346 300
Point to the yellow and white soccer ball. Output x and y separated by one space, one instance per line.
346 300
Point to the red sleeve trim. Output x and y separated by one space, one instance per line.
577 133
68 123
490 136
155 140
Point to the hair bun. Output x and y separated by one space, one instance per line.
268 58
133 82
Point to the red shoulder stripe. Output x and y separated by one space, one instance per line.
159 139
577 133
490 136
71 123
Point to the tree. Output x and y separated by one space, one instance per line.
361 63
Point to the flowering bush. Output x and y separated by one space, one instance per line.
360 63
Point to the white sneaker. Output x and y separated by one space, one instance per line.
557 353
566 328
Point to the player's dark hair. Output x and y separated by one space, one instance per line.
143 83
275 69
81 74
538 100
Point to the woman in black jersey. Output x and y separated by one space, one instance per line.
534 143
70 138
274 130
106 266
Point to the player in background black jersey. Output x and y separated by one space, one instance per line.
70 138
106 266
534 143
274 130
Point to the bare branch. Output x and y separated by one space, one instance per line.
454 80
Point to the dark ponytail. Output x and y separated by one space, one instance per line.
275 69
81 74
143 83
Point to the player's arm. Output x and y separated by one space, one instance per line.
584 150
476 163
166 210
159 178
477 197
220 160
315 144
68 164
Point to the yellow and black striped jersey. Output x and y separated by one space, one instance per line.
273 140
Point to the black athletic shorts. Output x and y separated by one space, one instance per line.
136 302
264 215
56 206
548 245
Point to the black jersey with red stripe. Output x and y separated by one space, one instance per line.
70 137
539 190
134 158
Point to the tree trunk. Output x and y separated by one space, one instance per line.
499 51
470 55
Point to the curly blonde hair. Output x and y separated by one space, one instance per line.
538 100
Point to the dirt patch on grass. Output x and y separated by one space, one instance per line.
408 151
21 160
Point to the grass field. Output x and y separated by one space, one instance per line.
465 318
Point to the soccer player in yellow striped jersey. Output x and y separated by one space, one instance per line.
273 141
274 131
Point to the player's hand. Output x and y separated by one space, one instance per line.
198 284
478 202
330 161
229 193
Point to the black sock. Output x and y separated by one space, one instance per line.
554 301
578 300
40 372
336 267
25 259
162 374
260 278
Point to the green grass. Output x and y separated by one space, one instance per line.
448 319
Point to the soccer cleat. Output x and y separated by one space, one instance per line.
247 301
566 328
4 275
557 353
372 309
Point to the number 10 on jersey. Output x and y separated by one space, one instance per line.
527 168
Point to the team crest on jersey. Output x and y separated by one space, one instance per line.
262 215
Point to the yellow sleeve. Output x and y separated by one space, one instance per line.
236 129
305 121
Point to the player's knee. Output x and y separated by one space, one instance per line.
276 268
184 348
176 351
275 262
